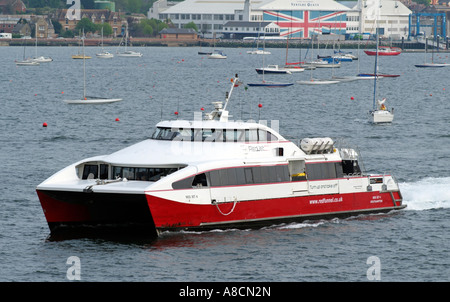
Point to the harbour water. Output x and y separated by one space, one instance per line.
408 245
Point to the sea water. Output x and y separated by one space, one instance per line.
407 245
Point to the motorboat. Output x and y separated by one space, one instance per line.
258 52
104 55
42 59
213 173
384 51
130 53
217 54
275 69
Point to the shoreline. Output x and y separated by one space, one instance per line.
407 46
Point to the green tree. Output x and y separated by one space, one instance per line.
107 29
191 25
87 25
57 26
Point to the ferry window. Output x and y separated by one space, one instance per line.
231 175
240 176
321 171
104 171
282 173
251 135
142 174
223 175
214 177
200 181
262 135
185 183
117 172
339 171
128 173
248 175
90 171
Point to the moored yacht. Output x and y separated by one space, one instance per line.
214 173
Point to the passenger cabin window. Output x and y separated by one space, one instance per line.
90 171
214 135
235 177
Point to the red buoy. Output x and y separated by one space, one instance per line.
260 105
44 124
117 119
352 98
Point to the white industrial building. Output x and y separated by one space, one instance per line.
286 18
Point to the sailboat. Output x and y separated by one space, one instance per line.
265 83
314 81
81 56
26 62
216 54
379 113
129 53
40 59
104 54
432 64
89 99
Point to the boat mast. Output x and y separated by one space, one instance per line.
84 69
376 58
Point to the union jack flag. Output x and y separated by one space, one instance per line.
303 24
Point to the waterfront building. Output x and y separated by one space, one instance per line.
293 18
97 16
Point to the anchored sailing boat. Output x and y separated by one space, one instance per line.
379 113
432 64
89 99
40 59
129 53
104 54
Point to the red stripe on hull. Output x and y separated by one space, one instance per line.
169 214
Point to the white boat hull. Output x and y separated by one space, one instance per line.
381 116
92 101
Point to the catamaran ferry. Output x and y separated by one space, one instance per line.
214 173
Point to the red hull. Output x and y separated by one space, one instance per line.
381 53
170 215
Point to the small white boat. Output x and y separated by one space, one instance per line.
323 64
381 116
130 53
105 55
27 62
92 100
217 55
318 82
259 52
42 59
